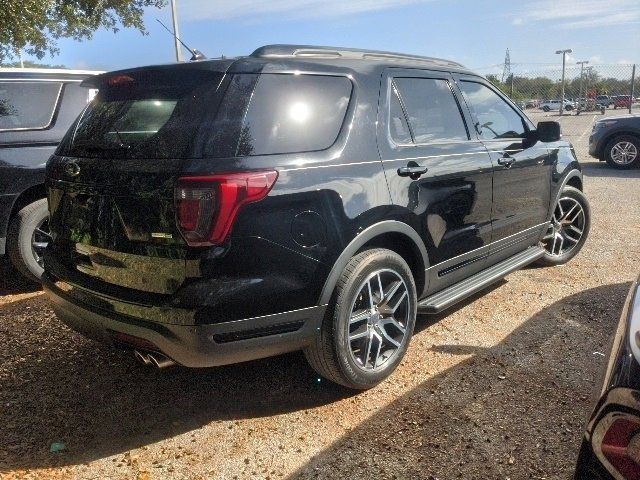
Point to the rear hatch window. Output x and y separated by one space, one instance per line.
186 116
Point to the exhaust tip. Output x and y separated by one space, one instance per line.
154 359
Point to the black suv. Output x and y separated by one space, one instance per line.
36 108
616 140
299 198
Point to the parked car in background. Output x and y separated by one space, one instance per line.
616 140
549 105
622 101
36 108
302 197
604 101
611 445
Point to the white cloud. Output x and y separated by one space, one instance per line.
517 21
194 10
574 14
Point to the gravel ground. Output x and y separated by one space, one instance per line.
499 387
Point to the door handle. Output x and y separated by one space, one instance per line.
413 171
506 162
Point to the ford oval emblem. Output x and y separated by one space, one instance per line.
72 169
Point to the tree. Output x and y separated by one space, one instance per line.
35 25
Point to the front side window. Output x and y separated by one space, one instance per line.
432 110
27 105
496 118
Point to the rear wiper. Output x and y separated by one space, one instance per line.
102 146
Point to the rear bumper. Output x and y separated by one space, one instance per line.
193 345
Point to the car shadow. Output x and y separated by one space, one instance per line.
11 282
55 386
514 410
602 169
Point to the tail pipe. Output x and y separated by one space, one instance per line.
153 359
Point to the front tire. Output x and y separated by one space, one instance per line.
569 228
27 237
370 321
623 152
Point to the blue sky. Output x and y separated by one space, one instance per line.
475 33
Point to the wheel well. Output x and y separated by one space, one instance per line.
406 248
575 182
30 195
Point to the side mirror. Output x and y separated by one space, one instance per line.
548 131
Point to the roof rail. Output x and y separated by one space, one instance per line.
311 51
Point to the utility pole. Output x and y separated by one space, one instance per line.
564 58
633 85
582 64
174 15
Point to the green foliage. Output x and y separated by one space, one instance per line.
540 87
35 25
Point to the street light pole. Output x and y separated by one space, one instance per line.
176 34
582 64
564 57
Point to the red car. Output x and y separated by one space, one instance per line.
622 101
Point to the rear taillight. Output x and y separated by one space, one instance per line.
616 441
207 206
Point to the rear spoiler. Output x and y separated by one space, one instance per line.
104 79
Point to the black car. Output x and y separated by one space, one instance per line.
36 108
611 445
301 197
616 140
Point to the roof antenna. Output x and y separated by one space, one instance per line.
195 54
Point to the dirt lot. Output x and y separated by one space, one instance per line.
499 387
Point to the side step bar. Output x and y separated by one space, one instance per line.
459 291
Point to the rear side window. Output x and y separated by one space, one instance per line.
294 113
398 122
432 111
496 118
28 105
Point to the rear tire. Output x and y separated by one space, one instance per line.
623 152
562 242
20 239
358 345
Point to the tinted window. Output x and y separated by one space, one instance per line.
294 113
150 114
397 121
27 105
496 118
190 114
433 111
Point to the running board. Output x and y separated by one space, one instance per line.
459 291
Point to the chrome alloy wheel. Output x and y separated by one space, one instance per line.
624 153
567 227
40 239
378 320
